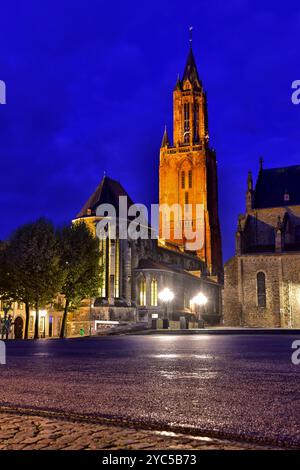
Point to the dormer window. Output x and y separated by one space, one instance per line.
89 212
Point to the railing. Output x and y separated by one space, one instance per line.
185 149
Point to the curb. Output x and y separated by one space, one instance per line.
238 331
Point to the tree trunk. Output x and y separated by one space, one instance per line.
27 316
37 321
64 320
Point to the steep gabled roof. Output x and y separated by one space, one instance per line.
277 187
107 192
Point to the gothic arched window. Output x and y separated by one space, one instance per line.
186 122
261 289
154 292
142 292
196 122
117 269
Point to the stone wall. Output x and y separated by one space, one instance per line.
282 290
232 309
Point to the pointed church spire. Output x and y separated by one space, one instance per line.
261 164
190 72
165 140
250 181
250 192
191 35
178 83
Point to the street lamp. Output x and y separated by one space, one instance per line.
166 296
200 300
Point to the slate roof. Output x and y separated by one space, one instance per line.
107 192
147 263
277 187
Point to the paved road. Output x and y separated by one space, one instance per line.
241 387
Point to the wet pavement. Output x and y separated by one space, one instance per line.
237 387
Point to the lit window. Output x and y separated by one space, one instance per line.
261 289
117 269
154 292
143 293
103 266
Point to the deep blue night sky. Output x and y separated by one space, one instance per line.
89 89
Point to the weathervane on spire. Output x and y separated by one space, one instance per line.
190 35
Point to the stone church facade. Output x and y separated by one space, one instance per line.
262 280
135 271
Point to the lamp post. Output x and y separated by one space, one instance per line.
166 296
199 300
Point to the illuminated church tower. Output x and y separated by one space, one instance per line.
188 170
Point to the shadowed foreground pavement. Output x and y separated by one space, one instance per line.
36 433
242 388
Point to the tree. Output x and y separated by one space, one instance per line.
80 262
12 285
33 267
6 292
4 281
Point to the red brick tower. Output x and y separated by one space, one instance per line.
188 169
